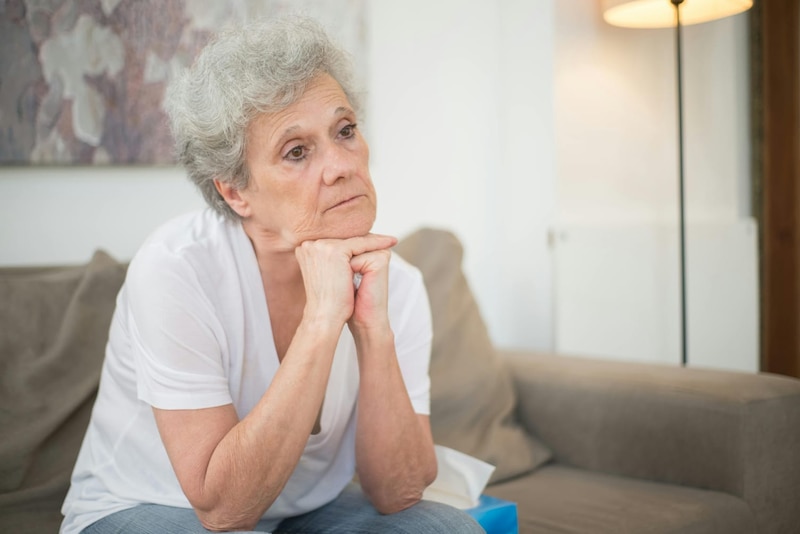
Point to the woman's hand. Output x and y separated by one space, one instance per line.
394 445
328 266
371 307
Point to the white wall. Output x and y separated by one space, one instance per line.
52 215
617 279
461 120
617 289
616 128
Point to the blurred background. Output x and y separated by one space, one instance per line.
544 138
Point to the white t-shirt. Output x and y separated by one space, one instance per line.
191 330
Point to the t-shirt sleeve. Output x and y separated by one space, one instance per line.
410 317
175 334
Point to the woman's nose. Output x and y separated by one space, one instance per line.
339 163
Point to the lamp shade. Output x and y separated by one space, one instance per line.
661 13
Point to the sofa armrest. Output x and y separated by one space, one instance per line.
720 430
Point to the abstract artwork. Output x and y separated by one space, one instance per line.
82 81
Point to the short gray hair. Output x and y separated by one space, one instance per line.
261 67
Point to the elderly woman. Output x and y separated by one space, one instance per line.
268 349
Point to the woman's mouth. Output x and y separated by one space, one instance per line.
346 202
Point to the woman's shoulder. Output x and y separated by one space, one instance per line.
405 279
409 308
203 232
195 241
188 230
401 268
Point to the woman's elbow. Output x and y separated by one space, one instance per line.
396 501
430 472
219 521
225 526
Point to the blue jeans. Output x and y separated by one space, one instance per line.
349 513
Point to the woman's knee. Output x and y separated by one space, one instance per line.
147 519
427 517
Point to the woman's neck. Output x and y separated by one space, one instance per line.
275 257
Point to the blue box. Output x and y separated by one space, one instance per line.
496 516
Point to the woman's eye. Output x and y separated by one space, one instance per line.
348 131
296 153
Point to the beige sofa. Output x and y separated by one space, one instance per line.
583 446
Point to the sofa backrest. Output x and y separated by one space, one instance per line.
53 330
472 396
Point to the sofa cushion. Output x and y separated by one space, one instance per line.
54 328
472 396
558 498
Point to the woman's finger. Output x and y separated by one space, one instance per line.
368 243
371 261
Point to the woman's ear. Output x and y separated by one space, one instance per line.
233 197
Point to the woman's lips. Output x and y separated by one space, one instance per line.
345 202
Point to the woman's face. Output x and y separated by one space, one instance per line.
309 170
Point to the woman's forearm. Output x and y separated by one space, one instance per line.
251 464
394 448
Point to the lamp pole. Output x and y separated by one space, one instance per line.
679 68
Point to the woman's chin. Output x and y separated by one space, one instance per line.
354 224
351 229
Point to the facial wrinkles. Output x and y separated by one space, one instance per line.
316 103
314 121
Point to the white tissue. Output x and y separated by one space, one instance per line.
461 479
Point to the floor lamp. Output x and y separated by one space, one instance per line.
668 14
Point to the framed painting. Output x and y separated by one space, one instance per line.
82 81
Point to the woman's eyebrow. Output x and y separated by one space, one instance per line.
342 110
288 132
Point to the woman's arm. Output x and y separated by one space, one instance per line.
394 447
231 471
